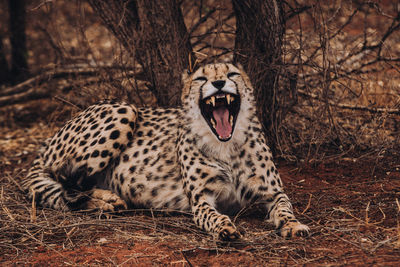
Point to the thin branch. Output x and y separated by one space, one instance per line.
31 94
211 29
62 73
296 11
348 106
202 20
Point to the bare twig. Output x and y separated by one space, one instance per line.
32 93
351 107
63 72
308 204
201 20
67 102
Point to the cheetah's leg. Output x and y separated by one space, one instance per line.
277 205
280 212
204 184
209 219
77 158
262 184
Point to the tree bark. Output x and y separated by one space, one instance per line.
258 48
4 70
154 33
19 53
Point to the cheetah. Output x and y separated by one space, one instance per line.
208 157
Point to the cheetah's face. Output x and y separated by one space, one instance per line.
216 87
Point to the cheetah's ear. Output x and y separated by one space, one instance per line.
186 80
240 67
185 76
244 75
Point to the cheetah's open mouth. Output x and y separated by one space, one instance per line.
220 111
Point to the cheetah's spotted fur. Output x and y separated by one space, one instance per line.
208 157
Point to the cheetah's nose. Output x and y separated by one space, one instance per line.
219 84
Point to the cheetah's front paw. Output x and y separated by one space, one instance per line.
292 229
228 233
105 200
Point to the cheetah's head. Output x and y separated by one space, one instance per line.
221 93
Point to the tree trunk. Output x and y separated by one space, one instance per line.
155 35
19 53
258 47
4 71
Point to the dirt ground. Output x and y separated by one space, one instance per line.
351 205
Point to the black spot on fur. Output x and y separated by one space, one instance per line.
110 126
129 135
154 192
104 153
132 169
252 144
93 143
103 114
66 136
121 110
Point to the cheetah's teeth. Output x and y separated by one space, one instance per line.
228 99
231 120
213 100
229 136
213 123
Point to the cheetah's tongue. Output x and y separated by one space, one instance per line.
223 127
